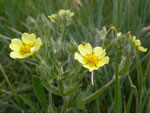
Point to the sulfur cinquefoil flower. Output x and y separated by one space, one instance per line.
67 12
25 48
62 16
52 17
137 44
92 59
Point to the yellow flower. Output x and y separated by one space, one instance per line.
137 44
53 17
62 16
25 48
69 13
136 41
119 34
62 12
142 49
91 59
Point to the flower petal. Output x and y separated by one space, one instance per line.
15 44
90 68
71 14
27 55
62 12
37 44
133 38
142 49
52 17
28 38
100 52
85 49
16 54
103 61
137 42
78 57
119 34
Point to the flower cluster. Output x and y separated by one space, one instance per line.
25 48
90 58
61 16
137 44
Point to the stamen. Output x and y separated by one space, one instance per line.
91 60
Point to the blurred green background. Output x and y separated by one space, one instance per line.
125 15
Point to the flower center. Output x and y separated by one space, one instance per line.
91 60
26 48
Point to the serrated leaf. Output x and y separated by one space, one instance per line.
49 87
71 90
39 93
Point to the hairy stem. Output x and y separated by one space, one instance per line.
65 105
92 78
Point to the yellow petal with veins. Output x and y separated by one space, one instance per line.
90 68
28 38
78 57
15 44
37 44
16 54
100 52
103 61
85 49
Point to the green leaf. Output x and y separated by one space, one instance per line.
61 86
129 102
72 90
125 68
28 101
117 106
81 104
98 92
39 93
55 71
50 87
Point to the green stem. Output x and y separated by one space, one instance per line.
62 30
97 93
43 62
50 104
85 110
117 104
97 100
135 90
65 105
11 87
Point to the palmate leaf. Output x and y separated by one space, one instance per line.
39 93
